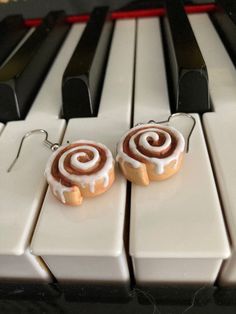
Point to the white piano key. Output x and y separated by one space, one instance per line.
48 101
177 233
1 127
85 243
23 268
21 193
29 170
220 131
221 71
150 85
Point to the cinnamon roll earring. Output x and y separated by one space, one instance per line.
82 169
152 151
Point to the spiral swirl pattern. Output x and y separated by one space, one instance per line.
151 144
80 164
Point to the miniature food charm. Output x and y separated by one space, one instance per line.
150 152
80 170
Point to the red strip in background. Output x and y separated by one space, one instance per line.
77 19
138 13
131 14
33 22
200 8
160 12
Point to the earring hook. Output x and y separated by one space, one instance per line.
52 146
178 114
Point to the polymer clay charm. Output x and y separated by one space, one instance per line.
79 170
82 169
150 153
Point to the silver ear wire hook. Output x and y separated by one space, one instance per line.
178 114
52 146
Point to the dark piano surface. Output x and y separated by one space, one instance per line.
35 8
33 298
16 298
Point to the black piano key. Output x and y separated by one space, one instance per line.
188 76
83 77
22 75
224 20
12 30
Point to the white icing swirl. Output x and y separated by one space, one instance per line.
75 160
146 136
83 157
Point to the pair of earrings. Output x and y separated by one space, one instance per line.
83 169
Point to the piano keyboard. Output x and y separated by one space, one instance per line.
181 231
